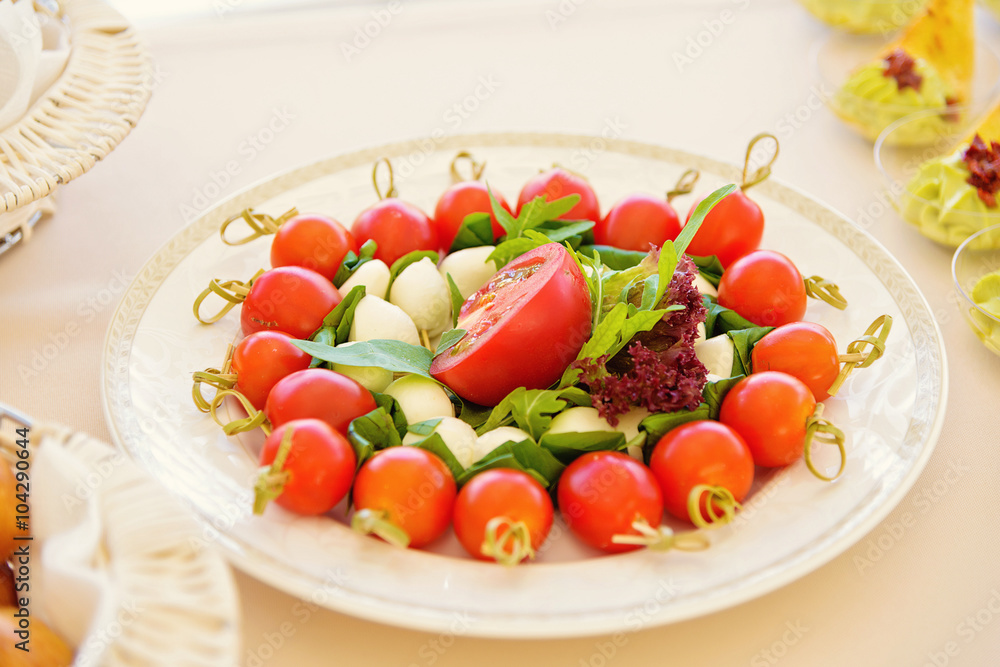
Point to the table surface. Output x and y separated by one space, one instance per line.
921 593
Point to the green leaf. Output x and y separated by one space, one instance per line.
411 257
537 211
425 427
720 319
576 396
512 248
525 456
743 341
393 409
475 415
372 432
658 425
569 446
561 230
435 445
506 220
392 355
449 338
476 230
533 410
665 267
500 415
698 216
339 319
324 336
709 267
456 301
352 261
715 392
614 258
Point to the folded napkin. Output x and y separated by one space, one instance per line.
120 569
34 48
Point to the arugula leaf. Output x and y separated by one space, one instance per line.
411 257
352 261
743 341
512 248
372 432
392 355
503 216
475 415
614 258
456 299
709 267
525 456
476 230
698 216
449 338
435 445
500 415
537 211
561 230
569 446
659 424
533 409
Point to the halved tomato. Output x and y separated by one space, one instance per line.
523 328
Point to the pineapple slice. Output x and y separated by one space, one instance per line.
943 35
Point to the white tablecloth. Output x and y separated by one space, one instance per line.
241 96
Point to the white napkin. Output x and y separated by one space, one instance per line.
34 48
121 571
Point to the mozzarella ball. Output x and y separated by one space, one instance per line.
420 398
423 294
469 269
376 318
373 274
490 440
704 286
372 378
579 420
717 353
459 437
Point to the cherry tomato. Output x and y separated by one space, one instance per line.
538 305
765 288
8 511
410 488
601 494
804 349
319 467
731 229
700 452
397 227
263 358
510 496
637 222
558 183
318 393
312 241
459 201
769 410
290 299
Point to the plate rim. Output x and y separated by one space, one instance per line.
506 625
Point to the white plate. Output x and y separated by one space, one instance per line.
892 413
